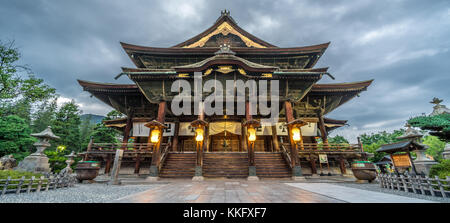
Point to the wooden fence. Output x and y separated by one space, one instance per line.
33 184
435 187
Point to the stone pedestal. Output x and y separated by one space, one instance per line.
36 162
446 153
198 176
422 163
252 174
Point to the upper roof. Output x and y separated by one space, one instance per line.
224 31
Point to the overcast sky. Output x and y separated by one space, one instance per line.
403 45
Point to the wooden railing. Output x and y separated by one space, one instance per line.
163 154
435 187
286 153
327 148
125 146
33 184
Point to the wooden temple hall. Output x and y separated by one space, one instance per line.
158 143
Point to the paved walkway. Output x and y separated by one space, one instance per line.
354 195
227 191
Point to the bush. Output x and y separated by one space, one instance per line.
441 170
17 174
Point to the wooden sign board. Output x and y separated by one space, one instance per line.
401 160
323 158
139 129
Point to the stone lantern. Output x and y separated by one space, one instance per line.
38 161
446 153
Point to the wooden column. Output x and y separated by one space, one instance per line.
126 132
244 146
251 145
276 145
156 149
108 163
323 131
312 159
342 165
289 118
175 136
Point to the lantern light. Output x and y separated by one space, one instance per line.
251 134
296 134
199 134
155 135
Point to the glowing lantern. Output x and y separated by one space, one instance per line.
295 134
251 134
199 134
154 138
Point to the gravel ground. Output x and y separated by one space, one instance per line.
376 187
80 193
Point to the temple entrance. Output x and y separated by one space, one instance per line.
225 142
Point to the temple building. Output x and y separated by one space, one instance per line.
159 142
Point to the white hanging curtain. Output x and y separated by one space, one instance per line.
218 127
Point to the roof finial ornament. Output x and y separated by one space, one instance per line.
225 12
438 108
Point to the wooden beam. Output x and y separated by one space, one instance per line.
323 131
126 132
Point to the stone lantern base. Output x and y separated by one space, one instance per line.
36 163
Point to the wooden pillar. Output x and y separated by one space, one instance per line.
323 131
137 166
312 159
251 145
126 132
175 136
276 145
342 165
156 149
86 156
243 137
289 118
108 163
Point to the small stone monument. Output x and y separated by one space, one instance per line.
67 171
446 153
38 161
7 162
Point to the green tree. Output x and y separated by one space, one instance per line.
438 125
371 142
337 139
45 116
86 129
66 126
436 147
15 137
19 94
106 134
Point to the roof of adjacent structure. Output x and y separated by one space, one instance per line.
341 87
402 146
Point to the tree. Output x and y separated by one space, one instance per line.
15 137
375 140
19 94
436 147
66 126
45 116
438 125
106 134
86 129
337 139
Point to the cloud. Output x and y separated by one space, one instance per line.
403 45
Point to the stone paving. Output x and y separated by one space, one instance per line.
354 195
227 191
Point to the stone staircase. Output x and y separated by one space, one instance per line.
229 165
178 165
271 165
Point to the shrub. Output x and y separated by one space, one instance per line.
441 170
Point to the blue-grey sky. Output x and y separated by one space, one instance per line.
403 45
